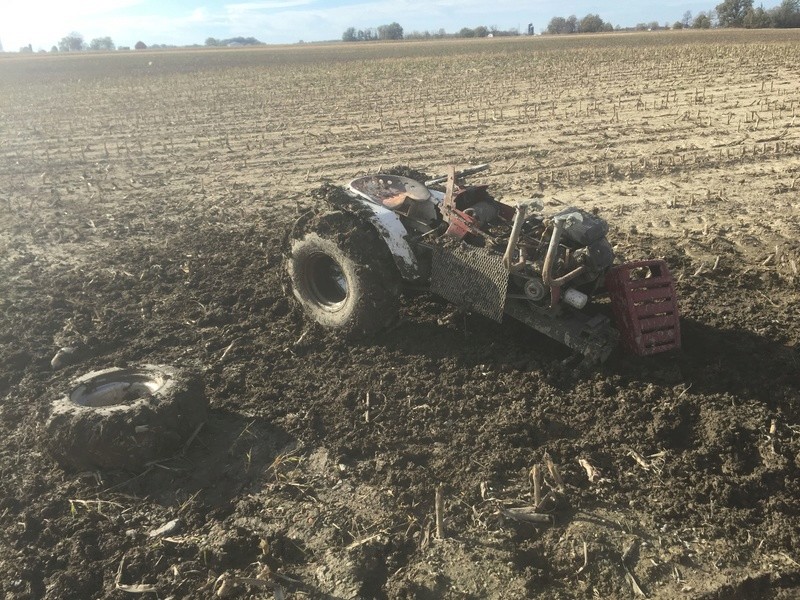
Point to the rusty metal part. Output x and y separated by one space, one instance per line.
554 283
519 219
390 190
449 194
459 174
470 277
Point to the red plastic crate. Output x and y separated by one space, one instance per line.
645 306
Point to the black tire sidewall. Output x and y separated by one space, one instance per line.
373 283
302 252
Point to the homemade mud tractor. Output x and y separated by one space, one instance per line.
348 265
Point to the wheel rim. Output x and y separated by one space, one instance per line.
119 387
326 282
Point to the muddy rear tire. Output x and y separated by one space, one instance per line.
342 275
124 418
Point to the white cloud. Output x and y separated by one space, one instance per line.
199 15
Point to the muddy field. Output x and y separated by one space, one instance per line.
143 202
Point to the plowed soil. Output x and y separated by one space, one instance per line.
144 198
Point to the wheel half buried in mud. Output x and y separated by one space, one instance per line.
342 275
124 418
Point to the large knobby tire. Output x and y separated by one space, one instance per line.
342 275
124 418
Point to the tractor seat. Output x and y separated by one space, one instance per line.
390 191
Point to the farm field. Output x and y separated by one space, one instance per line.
144 199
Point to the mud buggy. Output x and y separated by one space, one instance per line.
347 265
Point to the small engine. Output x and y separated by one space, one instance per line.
549 260
581 256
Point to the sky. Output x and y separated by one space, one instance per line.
43 23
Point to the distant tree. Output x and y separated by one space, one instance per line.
572 24
591 24
418 35
481 31
653 26
1 46
72 42
557 25
103 43
54 49
787 14
731 13
677 25
392 31
140 46
349 35
240 41
701 21
757 18
495 31
210 41
686 21
466 32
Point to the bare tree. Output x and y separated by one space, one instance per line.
392 31
557 25
72 42
591 24
103 43
701 21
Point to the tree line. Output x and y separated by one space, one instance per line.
75 42
234 41
729 13
740 13
394 31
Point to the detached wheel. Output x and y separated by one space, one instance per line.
124 418
342 274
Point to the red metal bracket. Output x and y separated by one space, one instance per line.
645 306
